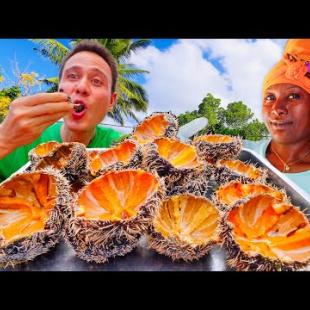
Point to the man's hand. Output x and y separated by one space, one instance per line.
29 116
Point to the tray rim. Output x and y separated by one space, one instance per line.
299 190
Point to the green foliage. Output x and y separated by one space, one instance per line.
235 120
7 95
187 117
237 114
255 130
11 92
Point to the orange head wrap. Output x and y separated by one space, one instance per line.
294 67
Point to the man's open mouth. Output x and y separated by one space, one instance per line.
79 106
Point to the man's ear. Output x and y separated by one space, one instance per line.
112 102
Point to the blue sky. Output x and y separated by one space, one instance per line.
30 60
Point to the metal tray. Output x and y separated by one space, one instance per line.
62 257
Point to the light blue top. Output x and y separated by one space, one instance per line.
302 179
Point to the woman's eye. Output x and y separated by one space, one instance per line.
293 96
269 98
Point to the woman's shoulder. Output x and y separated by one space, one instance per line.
257 146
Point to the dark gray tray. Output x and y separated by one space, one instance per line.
62 257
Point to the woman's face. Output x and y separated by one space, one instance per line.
286 111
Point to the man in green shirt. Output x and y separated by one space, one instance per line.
87 82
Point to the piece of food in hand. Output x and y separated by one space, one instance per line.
262 233
157 125
185 227
70 158
211 148
228 170
112 212
126 154
229 193
33 208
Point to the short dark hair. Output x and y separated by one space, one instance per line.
93 47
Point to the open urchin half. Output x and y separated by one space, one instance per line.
33 208
178 164
228 170
185 227
42 150
111 213
157 125
228 194
69 158
126 154
262 234
211 148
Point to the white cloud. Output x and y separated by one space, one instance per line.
181 75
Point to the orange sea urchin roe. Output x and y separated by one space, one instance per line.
151 129
116 196
232 192
180 155
25 203
241 168
45 148
274 229
214 139
193 220
121 153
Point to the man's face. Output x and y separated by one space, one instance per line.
87 79
286 111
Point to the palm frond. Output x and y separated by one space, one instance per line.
52 49
129 70
132 89
133 47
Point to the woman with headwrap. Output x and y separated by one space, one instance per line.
286 112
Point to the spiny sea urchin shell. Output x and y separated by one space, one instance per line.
178 164
185 227
228 170
214 147
69 158
262 234
157 125
126 154
111 213
33 208
229 193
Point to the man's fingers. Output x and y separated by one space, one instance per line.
46 119
50 108
43 98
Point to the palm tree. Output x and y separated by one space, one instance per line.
131 95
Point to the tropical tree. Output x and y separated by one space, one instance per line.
7 95
235 120
131 95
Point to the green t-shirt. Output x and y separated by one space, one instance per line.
104 137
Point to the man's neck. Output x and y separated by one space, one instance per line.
84 137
